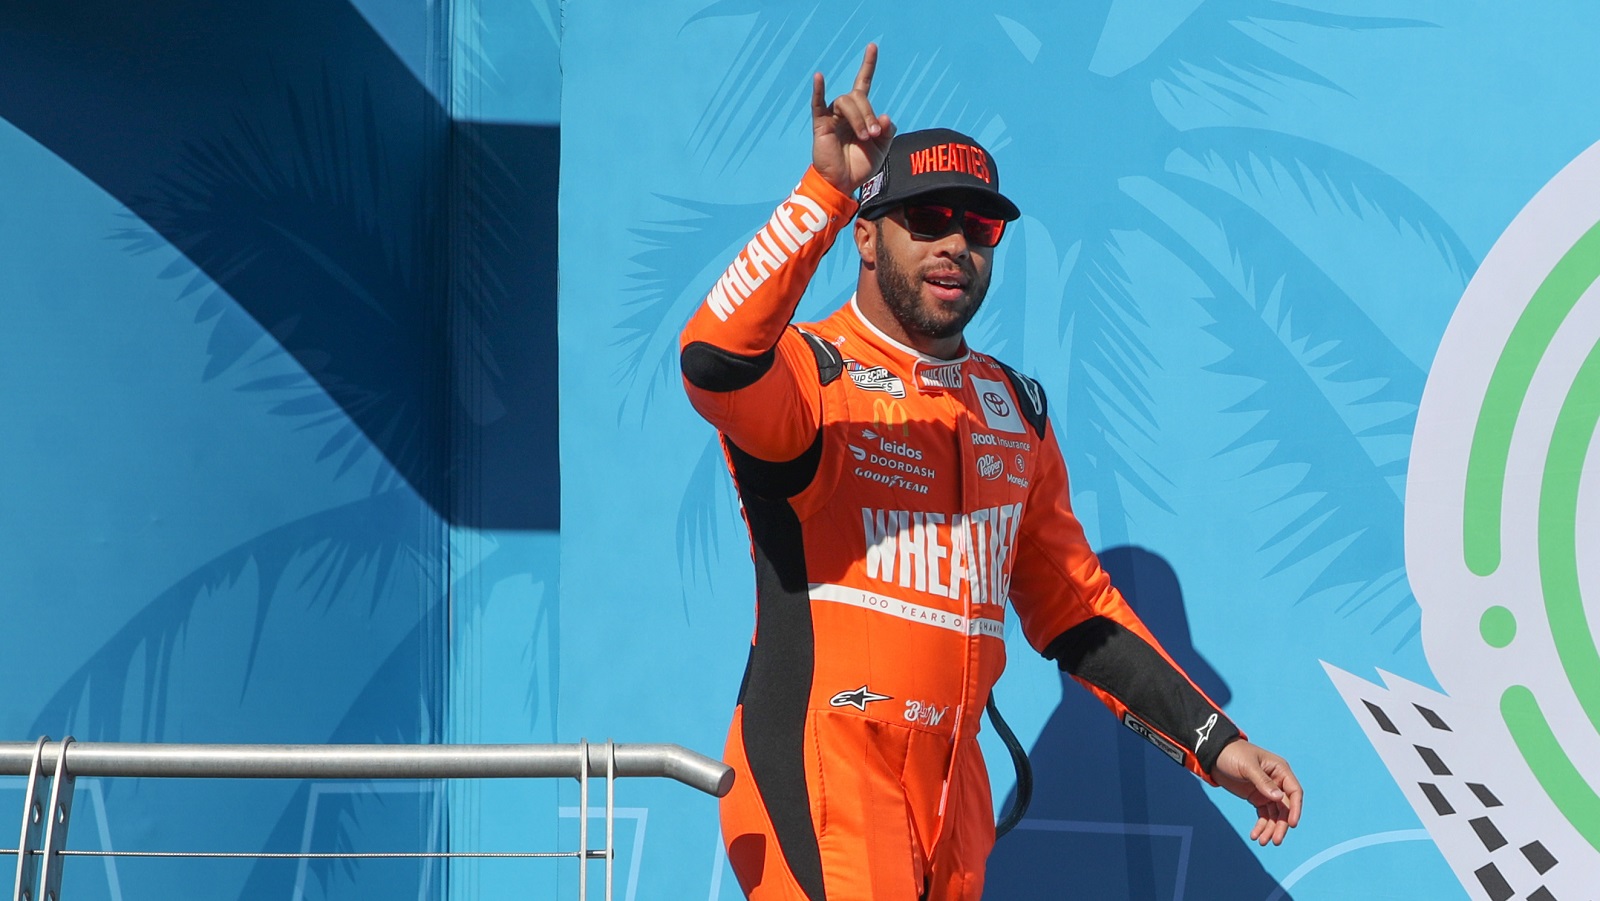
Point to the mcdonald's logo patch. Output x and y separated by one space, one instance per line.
887 414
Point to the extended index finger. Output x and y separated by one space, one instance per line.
869 64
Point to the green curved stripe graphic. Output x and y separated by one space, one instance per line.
1558 536
1508 387
1571 794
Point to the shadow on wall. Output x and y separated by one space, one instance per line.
313 184
1111 816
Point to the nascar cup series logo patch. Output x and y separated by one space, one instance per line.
1502 531
870 188
875 378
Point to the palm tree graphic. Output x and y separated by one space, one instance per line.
1144 146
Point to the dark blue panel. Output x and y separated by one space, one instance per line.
288 153
504 295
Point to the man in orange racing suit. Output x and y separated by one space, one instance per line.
900 491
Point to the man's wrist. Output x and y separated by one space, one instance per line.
817 186
1228 739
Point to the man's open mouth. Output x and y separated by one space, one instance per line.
947 285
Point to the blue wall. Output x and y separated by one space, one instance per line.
1246 226
296 446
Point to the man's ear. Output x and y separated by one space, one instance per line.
866 235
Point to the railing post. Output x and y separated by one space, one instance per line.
583 819
33 801
55 833
611 809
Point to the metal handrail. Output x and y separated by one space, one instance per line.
43 836
370 762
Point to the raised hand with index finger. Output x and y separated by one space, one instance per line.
848 139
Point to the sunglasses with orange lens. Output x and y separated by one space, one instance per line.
931 220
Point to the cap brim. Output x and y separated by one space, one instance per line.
989 203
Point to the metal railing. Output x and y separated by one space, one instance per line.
51 770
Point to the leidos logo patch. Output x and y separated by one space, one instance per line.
890 446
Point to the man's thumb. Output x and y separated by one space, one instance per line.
1263 782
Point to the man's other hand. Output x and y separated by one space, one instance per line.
1265 780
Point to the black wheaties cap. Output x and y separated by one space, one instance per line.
935 160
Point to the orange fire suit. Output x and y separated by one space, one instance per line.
897 504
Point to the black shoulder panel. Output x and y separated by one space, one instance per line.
712 368
1108 656
1031 393
829 362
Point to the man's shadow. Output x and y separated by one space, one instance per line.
1112 817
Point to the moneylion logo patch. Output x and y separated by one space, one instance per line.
858 698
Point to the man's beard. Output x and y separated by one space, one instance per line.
902 293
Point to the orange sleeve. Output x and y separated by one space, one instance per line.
745 370
1071 613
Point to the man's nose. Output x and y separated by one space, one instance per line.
953 243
